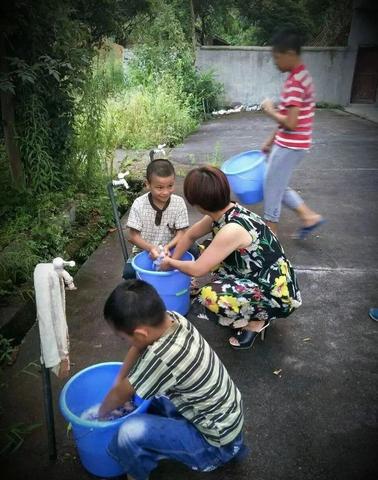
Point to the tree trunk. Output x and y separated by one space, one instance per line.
9 125
202 30
193 27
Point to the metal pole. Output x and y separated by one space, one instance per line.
117 220
49 412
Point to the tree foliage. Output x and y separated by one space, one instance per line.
332 20
308 16
267 15
46 52
253 22
115 18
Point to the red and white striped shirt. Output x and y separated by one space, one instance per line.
298 91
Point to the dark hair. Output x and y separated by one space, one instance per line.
286 39
208 188
134 303
159 167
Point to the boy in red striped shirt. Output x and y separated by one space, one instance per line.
292 138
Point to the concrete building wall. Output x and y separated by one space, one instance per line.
249 74
363 30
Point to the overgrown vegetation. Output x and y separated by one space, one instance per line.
69 103
149 115
62 210
39 228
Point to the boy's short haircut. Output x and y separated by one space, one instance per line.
132 304
287 39
208 188
161 168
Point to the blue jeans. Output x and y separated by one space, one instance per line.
163 433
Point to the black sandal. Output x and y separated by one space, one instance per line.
246 338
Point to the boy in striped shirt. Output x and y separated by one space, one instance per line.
292 138
196 415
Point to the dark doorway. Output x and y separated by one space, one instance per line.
365 82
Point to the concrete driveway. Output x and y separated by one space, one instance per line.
316 419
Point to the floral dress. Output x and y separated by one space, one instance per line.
253 283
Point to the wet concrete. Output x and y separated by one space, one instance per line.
317 419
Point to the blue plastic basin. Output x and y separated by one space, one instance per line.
173 286
245 173
85 389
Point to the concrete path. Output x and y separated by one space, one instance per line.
317 418
369 111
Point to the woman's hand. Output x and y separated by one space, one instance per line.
167 251
166 264
193 233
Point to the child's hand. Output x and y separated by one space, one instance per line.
91 413
268 106
167 251
266 146
154 253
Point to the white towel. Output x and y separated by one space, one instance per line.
51 316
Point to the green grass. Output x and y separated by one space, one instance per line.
36 228
144 117
329 105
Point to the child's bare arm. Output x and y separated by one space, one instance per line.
116 397
130 359
267 145
135 237
288 121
